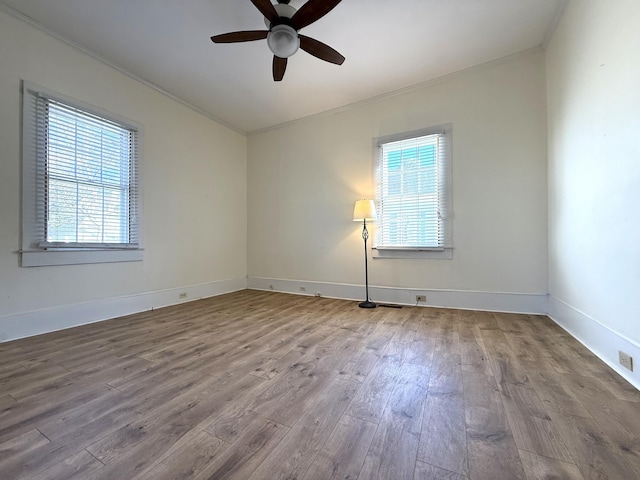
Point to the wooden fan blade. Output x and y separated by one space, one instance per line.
279 66
311 11
245 36
267 9
320 50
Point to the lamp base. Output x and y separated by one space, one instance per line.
367 304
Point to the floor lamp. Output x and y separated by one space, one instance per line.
365 210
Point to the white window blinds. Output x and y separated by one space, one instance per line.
412 176
87 179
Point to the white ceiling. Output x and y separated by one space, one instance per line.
388 44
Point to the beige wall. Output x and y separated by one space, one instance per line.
303 179
593 64
193 182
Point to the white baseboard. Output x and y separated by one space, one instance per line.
600 339
466 300
27 324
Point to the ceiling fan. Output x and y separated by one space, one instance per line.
283 38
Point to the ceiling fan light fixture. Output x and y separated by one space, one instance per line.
283 41
283 22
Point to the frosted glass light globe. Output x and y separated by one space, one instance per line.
283 41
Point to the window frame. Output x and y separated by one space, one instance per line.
444 191
35 250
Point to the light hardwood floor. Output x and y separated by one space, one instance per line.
257 385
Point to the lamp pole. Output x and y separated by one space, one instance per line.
365 235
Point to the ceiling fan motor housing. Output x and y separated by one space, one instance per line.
285 12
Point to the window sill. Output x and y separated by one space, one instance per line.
441 254
43 258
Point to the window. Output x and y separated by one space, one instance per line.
413 194
80 183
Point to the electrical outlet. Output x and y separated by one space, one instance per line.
303 289
182 295
421 298
625 360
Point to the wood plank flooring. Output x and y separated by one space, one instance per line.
260 385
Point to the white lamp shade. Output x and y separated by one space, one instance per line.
364 210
